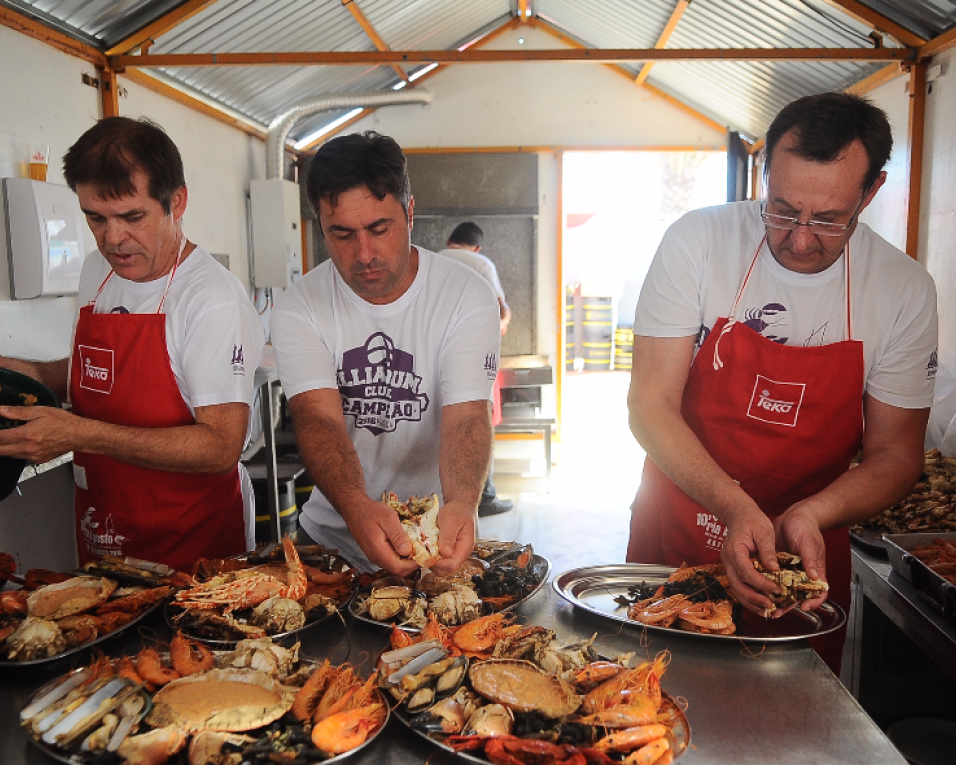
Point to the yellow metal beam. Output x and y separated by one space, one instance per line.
914 155
879 77
51 37
150 32
471 56
524 7
669 28
373 35
174 94
877 21
938 44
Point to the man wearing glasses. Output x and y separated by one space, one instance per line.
766 335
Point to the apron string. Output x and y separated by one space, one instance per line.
732 319
182 246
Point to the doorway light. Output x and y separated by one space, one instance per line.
328 128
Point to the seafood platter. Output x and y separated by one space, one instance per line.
275 593
56 614
928 562
498 577
696 600
930 507
496 690
259 703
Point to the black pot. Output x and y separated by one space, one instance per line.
16 390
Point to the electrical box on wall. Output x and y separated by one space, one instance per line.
44 238
276 232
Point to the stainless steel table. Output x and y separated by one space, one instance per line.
783 705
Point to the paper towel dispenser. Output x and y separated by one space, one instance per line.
44 238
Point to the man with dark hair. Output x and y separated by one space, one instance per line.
464 246
165 345
387 354
766 334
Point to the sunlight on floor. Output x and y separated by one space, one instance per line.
583 519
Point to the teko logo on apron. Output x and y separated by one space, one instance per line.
96 369
776 402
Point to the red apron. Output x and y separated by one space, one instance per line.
121 374
783 421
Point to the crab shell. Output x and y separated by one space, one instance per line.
523 687
456 606
221 699
34 638
81 593
386 602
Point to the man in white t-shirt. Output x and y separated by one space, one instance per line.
166 343
464 245
766 333
387 354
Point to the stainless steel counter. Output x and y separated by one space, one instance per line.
782 705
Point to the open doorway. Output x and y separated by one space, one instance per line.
617 206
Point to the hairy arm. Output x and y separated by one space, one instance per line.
891 463
658 377
53 374
464 459
213 444
335 467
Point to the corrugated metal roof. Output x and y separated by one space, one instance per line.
927 18
741 95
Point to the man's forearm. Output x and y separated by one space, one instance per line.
328 454
51 373
465 456
201 447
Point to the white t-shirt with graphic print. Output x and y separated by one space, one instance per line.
213 333
395 366
703 259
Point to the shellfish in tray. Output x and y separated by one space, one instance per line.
548 707
57 614
287 710
500 576
275 593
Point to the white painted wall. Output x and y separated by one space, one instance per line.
45 101
887 213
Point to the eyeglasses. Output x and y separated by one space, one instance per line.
818 227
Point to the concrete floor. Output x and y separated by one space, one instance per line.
582 517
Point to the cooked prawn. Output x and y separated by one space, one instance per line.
343 731
309 694
649 754
480 635
189 656
631 738
150 667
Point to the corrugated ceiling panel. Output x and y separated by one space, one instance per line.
611 24
747 95
431 24
744 95
927 18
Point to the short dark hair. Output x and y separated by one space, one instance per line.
468 234
109 153
826 123
349 162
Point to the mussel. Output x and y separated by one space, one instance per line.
433 683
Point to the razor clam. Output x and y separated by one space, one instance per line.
417 664
54 695
90 707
